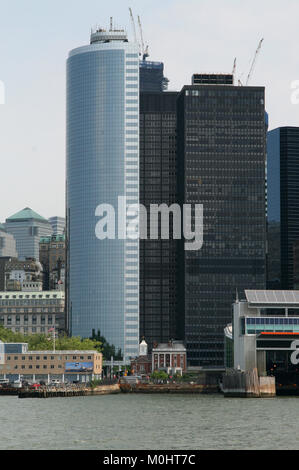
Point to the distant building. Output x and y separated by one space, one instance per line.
58 225
283 195
18 363
27 227
23 275
152 78
273 255
32 312
7 244
52 258
212 79
3 262
170 357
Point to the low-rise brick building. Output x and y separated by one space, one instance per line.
17 363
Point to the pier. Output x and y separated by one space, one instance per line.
52 392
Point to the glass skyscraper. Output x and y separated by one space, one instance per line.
283 204
103 165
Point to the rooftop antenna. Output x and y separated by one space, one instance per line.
145 52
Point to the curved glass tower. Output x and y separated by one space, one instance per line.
102 166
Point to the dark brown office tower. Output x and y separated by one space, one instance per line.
52 257
158 258
221 163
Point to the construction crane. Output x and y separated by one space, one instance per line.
133 24
235 66
145 52
254 62
234 69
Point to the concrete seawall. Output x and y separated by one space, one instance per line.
169 388
248 385
62 393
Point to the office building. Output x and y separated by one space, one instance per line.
30 312
27 227
152 78
158 258
103 166
58 225
7 244
283 197
52 258
221 165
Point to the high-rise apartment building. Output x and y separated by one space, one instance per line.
27 227
103 166
221 165
283 198
158 185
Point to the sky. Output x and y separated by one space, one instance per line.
189 36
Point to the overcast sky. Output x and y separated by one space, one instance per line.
187 35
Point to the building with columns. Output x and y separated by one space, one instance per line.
170 357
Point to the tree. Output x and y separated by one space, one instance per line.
108 350
42 342
159 375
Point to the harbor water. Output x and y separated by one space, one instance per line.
149 422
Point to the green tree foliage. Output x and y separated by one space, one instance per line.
41 342
159 375
108 350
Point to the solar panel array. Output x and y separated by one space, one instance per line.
272 297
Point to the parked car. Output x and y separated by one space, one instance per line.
55 382
17 384
4 381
